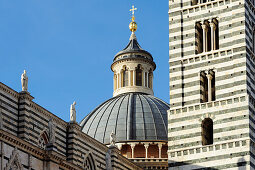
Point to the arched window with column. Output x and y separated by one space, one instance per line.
203 87
207 131
198 38
216 38
153 151
213 95
139 151
125 77
208 36
139 75
126 151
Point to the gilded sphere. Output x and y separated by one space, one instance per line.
133 26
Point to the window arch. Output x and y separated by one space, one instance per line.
207 131
89 163
43 139
216 40
125 77
139 75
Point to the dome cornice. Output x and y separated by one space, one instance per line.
133 59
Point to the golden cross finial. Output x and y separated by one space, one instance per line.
133 12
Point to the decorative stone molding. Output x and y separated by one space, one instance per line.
206 115
89 158
36 151
9 90
202 57
202 106
43 139
14 162
208 148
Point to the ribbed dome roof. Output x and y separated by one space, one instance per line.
131 116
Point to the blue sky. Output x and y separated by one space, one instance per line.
67 48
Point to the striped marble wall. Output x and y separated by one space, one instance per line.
232 111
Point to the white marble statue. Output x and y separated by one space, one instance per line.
73 112
24 81
52 132
112 139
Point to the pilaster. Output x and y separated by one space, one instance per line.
24 121
72 132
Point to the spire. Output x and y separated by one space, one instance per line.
133 25
132 36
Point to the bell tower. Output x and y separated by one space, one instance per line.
212 67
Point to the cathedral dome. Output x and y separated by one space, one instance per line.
131 116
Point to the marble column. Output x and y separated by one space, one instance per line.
129 78
147 74
159 149
213 39
121 79
205 29
143 78
134 78
209 77
133 149
146 145
117 83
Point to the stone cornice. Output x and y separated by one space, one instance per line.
35 151
9 90
134 59
25 95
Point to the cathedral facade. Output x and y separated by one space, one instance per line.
33 138
211 116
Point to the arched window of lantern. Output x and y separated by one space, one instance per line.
139 151
126 151
150 79
207 131
115 81
125 76
139 75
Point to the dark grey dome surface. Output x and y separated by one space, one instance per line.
131 116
